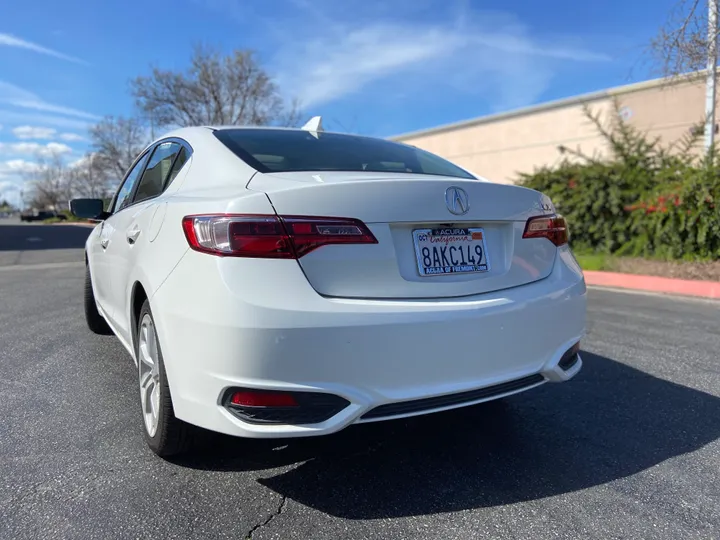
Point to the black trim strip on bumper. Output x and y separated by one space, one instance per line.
427 404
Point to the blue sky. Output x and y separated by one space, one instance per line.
368 66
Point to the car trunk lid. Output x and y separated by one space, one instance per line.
412 218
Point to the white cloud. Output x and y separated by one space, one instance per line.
18 166
491 55
71 137
43 106
12 41
14 174
80 161
35 149
329 69
58 148
24 99
7 187
24 117
10 191
31 132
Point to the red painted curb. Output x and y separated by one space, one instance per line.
685 287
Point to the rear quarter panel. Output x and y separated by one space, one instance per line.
170 247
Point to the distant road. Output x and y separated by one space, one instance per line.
38 243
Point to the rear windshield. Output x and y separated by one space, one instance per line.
277 150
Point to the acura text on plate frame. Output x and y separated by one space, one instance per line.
450 251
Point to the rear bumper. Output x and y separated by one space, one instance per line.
377 355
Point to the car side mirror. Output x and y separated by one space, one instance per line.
89 209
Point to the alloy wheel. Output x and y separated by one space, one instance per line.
149 374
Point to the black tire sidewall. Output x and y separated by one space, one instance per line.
95 321
90 307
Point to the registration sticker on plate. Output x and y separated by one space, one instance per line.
450 251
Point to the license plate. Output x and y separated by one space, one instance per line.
450 251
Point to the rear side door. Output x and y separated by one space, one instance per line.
104 253
132 226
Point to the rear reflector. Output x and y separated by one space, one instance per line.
281 407
554 228
251 398
570 358
275 237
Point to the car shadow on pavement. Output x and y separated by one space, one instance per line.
610 422
41 237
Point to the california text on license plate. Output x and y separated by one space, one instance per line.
450 251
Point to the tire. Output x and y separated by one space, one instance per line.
170 436
96 322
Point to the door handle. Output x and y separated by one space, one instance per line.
132 235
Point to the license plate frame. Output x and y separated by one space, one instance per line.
451 232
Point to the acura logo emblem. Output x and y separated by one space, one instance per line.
457 200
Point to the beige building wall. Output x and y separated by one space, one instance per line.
501 146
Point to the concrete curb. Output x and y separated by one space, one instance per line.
683 287
75 223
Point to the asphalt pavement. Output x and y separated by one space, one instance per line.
628 449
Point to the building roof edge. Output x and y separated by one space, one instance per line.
550 105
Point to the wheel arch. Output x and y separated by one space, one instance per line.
138 295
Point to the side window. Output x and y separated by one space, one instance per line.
123 196
182 158
153 179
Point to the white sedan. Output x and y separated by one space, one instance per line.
292 282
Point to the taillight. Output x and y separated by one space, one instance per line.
286 237
554 228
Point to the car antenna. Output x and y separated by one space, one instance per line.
314 126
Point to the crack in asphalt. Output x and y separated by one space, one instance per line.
273 515
284 498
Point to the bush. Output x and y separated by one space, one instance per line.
593 198
643 199
680 221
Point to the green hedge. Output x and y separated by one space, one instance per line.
642 199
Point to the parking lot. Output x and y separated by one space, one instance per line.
628 449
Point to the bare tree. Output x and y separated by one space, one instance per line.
88 178
49 183
117 142
214 90
686 44
681 45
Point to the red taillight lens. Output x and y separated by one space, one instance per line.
251 398
554 228
309 233
275 237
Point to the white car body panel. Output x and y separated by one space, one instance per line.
355 321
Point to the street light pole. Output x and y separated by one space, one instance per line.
710 90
